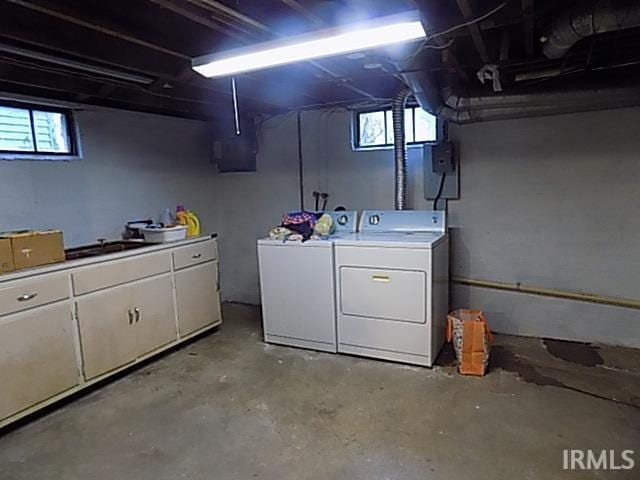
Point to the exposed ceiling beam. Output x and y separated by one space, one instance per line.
67 17
474 30
221 17
155 63
528 15
232 13
308 14
194 16
504 46
74 87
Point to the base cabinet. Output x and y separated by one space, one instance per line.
37 357
106 330
64 329
155 318
197 297
120 324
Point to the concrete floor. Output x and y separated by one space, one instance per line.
229 407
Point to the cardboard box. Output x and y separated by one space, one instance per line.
32 248
6 256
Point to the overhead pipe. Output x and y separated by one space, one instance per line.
463 110
400 147
583 21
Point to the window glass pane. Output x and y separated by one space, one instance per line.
15 130
51 132
371 129
426 126
408 126
389 116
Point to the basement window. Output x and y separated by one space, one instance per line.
373 129
30 132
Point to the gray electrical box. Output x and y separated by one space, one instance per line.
443 160
236 153
439 160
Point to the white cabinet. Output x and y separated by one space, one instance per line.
120 324
106 330
198 298
37 357
64 327
154 315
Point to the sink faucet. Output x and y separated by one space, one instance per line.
102 241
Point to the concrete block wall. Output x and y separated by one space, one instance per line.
549 202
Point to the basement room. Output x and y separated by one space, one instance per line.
319 239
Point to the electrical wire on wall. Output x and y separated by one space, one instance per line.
300 167
443 177
436 199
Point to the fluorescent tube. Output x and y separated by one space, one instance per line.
323 43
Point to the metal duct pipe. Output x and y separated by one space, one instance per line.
400 147
583 21
463 110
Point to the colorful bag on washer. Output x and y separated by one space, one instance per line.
471 340
301 223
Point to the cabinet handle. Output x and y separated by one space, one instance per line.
130 317
196 255
138 314
27 296
381 278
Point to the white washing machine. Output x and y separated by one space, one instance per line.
297 287
393 286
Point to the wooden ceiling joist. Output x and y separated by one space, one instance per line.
474 30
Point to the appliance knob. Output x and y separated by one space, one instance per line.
374 219
343 220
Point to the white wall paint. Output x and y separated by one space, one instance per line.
550 202
134 166
251 203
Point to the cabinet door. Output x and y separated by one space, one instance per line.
198 297
107 330
155 316
37 357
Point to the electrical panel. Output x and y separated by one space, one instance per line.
236 153
441 166
443 160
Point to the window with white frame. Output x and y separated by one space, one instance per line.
374 128
30 131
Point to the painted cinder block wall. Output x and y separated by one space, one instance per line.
134 165
550 202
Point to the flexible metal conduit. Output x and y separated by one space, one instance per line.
400 147
549 292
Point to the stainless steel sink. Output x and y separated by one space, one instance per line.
103 248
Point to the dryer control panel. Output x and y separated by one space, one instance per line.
403 221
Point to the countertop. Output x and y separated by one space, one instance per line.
55 267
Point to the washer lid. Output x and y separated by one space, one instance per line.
327 243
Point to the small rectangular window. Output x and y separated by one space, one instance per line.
36 132
374 129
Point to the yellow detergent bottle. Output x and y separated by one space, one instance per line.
193 224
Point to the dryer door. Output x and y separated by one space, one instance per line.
383 293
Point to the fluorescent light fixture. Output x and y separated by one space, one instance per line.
323 43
